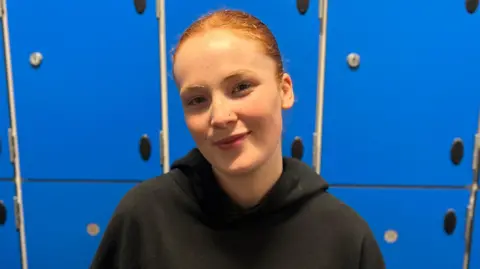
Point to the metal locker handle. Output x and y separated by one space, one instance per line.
3 214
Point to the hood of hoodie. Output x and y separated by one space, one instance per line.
296 185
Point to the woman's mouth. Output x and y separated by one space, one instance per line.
232 141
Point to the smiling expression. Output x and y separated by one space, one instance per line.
232 99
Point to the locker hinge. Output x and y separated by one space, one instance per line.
16 211
476 152
162 151
314 150
2 11
158 9
321 13
319 9
11 144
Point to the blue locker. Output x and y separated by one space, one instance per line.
65 221
85 108
409 224
297 36
392 120
9 239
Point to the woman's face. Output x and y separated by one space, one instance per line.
232 99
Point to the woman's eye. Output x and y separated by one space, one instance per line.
242 86
196 101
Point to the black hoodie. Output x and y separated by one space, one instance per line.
184 220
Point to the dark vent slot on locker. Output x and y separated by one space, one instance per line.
450 222
140 6
297 148
3 213
145 148
457 151
302 6
471 6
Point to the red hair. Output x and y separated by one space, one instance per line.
241 23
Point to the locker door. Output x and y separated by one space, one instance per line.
297 36
87 89
394 118
66 221
9 243
415 228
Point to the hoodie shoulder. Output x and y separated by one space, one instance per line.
122 245
356 229
151 191
348 230
341 213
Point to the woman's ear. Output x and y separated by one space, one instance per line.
286 88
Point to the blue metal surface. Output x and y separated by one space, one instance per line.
392 121
57 215
418 217
82 113
9 238
297 36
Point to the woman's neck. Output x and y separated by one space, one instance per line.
248 189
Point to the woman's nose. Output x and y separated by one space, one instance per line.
222 115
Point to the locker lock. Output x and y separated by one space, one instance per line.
36 59
93 229
3 213
390 236
353 60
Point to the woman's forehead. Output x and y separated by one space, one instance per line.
219 55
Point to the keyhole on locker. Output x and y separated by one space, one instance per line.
36 59
353 60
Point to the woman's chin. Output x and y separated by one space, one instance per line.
238 166
235 162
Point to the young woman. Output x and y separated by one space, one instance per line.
234 201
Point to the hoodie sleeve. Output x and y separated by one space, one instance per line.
120 247
371 256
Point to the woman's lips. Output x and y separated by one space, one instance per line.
231 141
